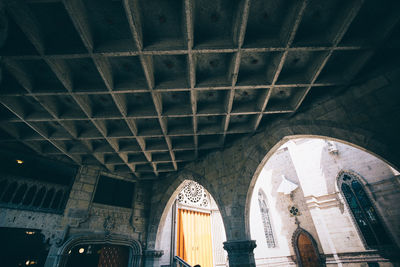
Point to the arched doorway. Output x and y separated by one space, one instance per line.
194 235
98 255
307 254
100 250
193 229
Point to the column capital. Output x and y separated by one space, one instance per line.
151 253
240 253
240 246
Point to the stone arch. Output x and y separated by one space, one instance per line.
159 214
295 237
268 142
82 239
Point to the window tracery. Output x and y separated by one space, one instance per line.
269 235
364 213
194 195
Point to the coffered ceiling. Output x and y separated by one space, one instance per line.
141 87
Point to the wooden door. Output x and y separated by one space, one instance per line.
308 255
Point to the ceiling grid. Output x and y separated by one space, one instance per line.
142 87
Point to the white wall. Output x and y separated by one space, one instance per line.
283 224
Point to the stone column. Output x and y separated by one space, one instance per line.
240 253
152 258
53 256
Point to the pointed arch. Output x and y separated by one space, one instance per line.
169 194
302 237
266 219
370 226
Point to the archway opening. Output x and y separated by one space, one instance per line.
192 229
299 187
97 255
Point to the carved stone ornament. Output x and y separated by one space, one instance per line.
194 195
153 253
109 223
294 211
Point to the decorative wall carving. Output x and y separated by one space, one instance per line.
194 195
28 194
294 211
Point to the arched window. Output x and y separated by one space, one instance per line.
364 213
269 235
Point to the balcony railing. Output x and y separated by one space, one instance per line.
179 262
28 194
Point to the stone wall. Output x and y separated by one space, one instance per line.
81 214
46 222
83 217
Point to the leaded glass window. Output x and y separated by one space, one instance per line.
364 213
269 235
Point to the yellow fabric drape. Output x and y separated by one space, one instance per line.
194 237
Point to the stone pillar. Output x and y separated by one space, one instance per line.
152 258
240 253
52 257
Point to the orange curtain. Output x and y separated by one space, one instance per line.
194 237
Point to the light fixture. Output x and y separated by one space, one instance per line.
20 161
27 262
81 250
30 232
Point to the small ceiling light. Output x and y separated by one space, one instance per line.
69 252
27 262
81 250
19 161
30 232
